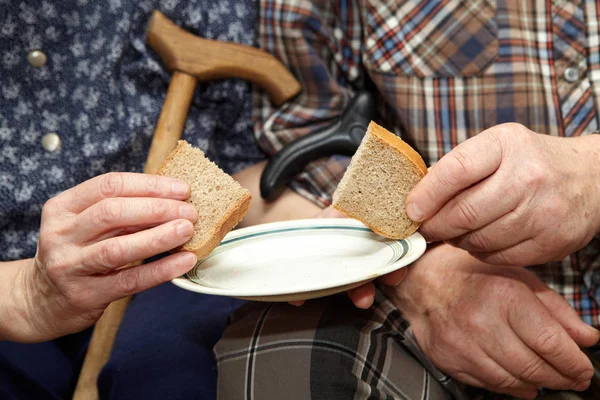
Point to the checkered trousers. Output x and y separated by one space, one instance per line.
327 349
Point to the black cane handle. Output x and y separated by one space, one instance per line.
342 137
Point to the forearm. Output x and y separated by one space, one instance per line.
12 307
288 206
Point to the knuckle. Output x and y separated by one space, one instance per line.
153 185
108 211
535 174
503 258
531 369
476 321
507 381
466 214
51 205
159 208
513 128
128 284
111 184
111 255
159 242
456 167
476 240
548 343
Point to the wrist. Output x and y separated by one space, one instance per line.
588 148
14 309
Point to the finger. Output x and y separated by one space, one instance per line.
122 184
548 339
297 303
331 212
498 235
103 257
473 208
472 365
469 163
129 281
110 216
527 252
519 360
394 278
583 334
488 374
363 296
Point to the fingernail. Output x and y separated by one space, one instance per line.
596 331
365 303
414 212
581 386
188 211
188 257
185 228
180 188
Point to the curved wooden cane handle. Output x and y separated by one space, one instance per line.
210 59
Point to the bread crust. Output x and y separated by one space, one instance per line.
399 144
225 225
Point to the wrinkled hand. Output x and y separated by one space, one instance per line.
87 233
364 295
499 328
513 197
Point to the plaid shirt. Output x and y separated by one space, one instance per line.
445 71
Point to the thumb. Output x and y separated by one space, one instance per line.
394 278
583 334
330 212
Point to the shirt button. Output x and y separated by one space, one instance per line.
571 74
51 142
36 58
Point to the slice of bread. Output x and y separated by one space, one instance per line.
221 202
373 190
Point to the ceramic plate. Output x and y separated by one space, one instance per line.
296 260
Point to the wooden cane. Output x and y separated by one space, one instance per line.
191 59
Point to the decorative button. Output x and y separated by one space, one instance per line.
51 142
571 74
36 58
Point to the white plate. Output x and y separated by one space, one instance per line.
297 260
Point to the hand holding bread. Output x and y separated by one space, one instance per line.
89 232
511 196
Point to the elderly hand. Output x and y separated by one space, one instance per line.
87 233
513 197
498 328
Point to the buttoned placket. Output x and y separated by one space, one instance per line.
577 110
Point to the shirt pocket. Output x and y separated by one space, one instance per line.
430 38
